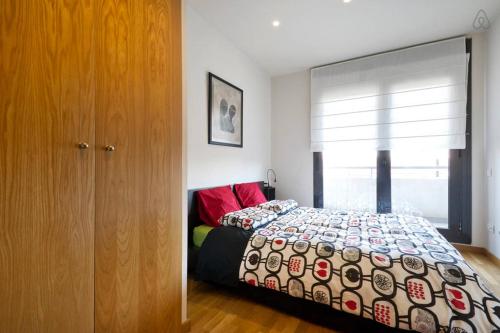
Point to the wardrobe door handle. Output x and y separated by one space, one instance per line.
83 145
109 148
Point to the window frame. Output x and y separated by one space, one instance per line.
459 182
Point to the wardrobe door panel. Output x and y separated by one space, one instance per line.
138 189
46 181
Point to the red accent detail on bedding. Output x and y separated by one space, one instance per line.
458 304
351 305
456 293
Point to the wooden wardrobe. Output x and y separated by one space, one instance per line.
90 165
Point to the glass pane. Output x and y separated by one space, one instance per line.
350 180
419 182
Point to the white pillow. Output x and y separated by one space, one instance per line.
248 218
279 206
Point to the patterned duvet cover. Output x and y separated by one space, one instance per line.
396 270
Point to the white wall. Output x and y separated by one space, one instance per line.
292 158
206 50
479 57
493 138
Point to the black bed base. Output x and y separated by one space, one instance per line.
193 253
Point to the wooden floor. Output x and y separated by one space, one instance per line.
486 267
212 309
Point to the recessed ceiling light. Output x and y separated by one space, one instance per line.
346 1
276 23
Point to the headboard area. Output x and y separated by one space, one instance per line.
193 217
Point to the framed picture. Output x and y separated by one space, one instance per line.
225 113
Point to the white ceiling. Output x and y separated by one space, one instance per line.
315 32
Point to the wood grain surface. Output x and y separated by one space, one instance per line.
46 182
102 72
138 188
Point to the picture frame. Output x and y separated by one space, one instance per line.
225 112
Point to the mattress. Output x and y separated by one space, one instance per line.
200 233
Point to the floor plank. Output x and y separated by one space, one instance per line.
213 309
486 267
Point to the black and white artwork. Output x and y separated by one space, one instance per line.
225 113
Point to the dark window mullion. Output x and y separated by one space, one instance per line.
460 177
384 181
318 179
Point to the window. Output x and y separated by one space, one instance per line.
354 181
434 183
419 184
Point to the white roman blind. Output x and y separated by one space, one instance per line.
405 99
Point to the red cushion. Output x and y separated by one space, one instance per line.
216 202
249 194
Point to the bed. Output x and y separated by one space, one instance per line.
396 272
